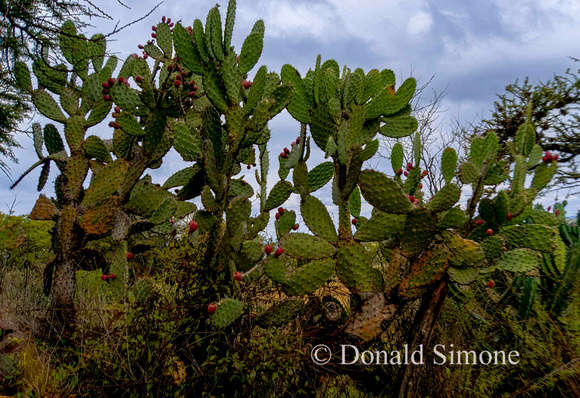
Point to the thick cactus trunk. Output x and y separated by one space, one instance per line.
421 333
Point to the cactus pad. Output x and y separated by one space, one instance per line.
309 277
383 193
353 267
228 310
306 247
520 260
317 219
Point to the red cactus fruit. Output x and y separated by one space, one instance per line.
238 276
557 212
281 210
111 81
112 276
354 221
163 18
168 20
295 227
246 84
248 167
416 202
108 97
297 140
406 173
412 198
510 216
268 250
479 222
138 79
491 283
193 226
117 109
286 150
154 28
399 172
105 85
279 251
489 232
277 216
549 208
283 155
177 83
154 35
104 277
212 308
140 47
178 77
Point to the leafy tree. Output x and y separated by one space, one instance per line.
555 112
26 28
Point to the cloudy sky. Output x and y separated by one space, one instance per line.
472 49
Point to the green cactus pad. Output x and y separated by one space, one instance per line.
187 143
353 267
164 40
241 188
164 212
544 217
463 276
278 195
253 250
184 209
128 99
468 172
300 104
444 199
238 212
535 156
309 277
74 132
106 182
354 202
186 50
526 138
22 75
397 156
146 203
122 143
399 127
380 226
286 222
478 151
130 125
320 175
43 176
418 232
100 110
383 193
317 219
369 150
69 100
275 268
281 314
306 247
52 139
94 147
48 106
252 48
37 139
228 310
259 223
453 218
497 174
181 178
448 164
493 247
543 175
467 252
322 126
519 260
532 236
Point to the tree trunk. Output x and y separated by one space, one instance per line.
421 332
